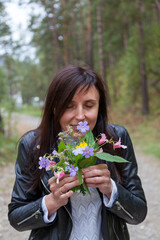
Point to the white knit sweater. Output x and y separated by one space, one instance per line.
86 215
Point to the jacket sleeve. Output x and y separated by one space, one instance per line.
131 203
25 211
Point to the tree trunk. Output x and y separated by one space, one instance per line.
100 46
56 54
77 37
1 125
143 74
111 64
156 9
90 35
84 30
65 32
157 4
125 32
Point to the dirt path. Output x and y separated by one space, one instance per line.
149 171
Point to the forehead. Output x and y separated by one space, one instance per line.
86 94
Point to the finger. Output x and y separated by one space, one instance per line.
66 195
54 178
96 173
51 180
68 185
98 166
96 180
67 178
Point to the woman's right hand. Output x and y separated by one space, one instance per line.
60 193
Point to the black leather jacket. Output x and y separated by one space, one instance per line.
25 212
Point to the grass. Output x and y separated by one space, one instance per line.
34 111
8 150
144 130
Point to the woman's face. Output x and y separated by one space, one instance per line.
83 107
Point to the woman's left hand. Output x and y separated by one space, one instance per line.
98 176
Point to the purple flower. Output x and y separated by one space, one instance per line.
55 153
77 151
73 171
88 151
43 162
83 126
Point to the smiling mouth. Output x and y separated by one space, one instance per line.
74 127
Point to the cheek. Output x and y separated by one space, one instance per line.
93 119
62 122
65 120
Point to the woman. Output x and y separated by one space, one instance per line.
54 211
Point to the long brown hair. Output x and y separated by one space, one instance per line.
59 95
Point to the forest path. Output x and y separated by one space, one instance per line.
149 171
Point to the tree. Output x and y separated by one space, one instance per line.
90 35
116 37
143 73
100 44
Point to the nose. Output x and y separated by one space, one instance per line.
80 114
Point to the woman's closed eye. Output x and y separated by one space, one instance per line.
89 105
70 106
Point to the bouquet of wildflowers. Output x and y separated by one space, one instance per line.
76 152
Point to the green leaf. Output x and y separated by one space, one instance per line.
110 158
86 162
61 147
89 138
86 189
80 176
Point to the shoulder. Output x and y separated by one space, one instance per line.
29 139
26 149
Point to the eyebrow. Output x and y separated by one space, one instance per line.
88 100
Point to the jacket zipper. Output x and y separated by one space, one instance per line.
121 207
26 219
69 214
115 230
45 187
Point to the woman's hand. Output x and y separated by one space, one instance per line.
60 193
98 176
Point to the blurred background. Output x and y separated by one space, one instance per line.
119 39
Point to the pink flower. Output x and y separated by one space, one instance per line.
100 150
58 175
103 139
52 163
118 145
61 174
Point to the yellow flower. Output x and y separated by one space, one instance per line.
82 144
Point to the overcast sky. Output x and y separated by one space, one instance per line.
18 20
19 17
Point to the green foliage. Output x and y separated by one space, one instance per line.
2 84
89 138
144 130
87 162
121 50
62 36
26 109
110 158
7 149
